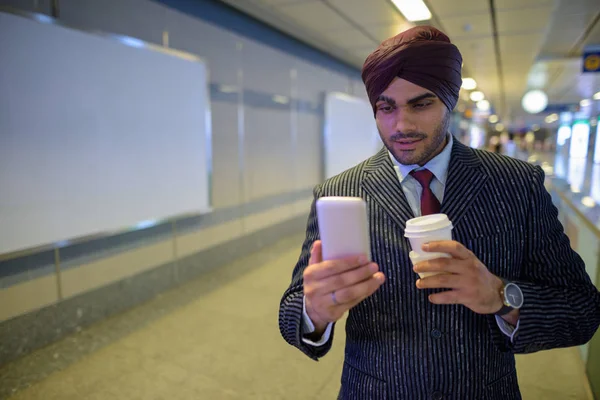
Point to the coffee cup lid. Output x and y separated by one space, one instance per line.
427 224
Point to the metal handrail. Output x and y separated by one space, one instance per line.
88 238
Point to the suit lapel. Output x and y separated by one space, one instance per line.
466 179
382 183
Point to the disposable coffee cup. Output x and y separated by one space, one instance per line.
417 258
429 228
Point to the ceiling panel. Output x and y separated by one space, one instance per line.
477 52
351 38
489 86
362 53
466 27
571 21
487 72
519 61
524 44
568 24
527 20
382 33
560 42
594 36
589 7
446 8
314 16
561 74
522 4
369 12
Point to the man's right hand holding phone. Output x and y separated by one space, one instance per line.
333 287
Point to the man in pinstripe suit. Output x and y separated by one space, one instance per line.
450 336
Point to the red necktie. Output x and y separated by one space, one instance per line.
429 203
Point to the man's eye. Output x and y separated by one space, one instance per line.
385 108
421 105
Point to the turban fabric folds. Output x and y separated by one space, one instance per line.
421 55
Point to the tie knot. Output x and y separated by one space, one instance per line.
423 176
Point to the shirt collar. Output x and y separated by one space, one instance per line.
438 165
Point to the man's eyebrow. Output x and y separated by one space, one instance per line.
421 97
388 100
414 100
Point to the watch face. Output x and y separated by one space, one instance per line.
513 295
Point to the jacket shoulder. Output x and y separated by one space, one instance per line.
500 165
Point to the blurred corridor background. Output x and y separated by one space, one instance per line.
157 165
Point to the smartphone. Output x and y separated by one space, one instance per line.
343 226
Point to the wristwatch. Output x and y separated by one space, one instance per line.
512 297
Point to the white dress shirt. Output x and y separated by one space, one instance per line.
412 190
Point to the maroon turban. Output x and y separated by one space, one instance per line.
422 55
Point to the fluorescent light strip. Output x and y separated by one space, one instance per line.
413 10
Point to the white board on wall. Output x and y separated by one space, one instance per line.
350 132
96 134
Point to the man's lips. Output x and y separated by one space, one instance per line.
407 144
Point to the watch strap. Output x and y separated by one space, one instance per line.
505 307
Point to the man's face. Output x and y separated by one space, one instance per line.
412 122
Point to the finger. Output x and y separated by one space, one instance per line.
316 254
328 268
360 290
448 297
442 264
452 247
442 281
345 279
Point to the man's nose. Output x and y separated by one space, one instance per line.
405 122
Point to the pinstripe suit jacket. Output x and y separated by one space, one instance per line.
398 344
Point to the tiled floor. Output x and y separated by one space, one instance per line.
217 338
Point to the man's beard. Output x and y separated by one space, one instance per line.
412 157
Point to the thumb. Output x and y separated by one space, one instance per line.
316 255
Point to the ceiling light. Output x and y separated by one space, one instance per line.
280 99
227 89
469 84
585 102
529 137
588 202
477 96
499 127
413 10
493 119
534 101
551 118
483 105
597 96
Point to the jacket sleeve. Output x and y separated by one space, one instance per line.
291 305
561 304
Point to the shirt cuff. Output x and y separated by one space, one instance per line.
308 327
507 328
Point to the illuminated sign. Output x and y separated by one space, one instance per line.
591 61
597 148
580 137
564 133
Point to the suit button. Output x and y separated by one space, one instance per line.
437 396
436 334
